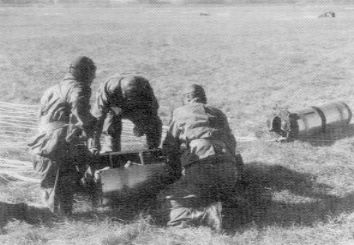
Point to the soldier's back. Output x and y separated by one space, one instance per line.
55 102
199 115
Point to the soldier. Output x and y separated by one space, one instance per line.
64 117
127 97
200 148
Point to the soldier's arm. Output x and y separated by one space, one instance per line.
44 104
170 145
150 96
79 99
230 138
155 119
101 107
171 148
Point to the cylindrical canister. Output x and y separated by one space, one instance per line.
310 121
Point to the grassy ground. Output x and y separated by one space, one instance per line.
250 59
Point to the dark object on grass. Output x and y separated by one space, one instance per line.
23 212
329 14
288 126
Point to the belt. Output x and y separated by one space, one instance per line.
210 160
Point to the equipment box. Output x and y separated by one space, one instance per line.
128 174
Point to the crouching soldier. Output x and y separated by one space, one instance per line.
127 97
200 148
64 118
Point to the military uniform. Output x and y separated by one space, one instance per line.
64 115
127 97
201 150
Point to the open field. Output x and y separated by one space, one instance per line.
250 59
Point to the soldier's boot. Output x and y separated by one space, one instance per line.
66 205
212 216
65 195
180 217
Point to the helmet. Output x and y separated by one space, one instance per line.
83 69
133 86
194 92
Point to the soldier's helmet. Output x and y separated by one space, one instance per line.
133 86
194 92
83 69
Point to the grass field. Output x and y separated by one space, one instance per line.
249 58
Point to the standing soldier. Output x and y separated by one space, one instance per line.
127 97
64 118
200 148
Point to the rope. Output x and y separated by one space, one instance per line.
18 176
17 126
17 132
12 167
11 120
13 105
16 113
15 161
12 137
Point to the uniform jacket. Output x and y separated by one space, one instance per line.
139 97
62 105
198 131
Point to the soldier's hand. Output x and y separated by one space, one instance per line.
94 151
116 110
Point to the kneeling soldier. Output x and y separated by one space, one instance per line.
200 148
64 117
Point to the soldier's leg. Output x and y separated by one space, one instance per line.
206 181
188 201
188 210
235 203
229 184
149 124
48 171
65 197
68 178
174 210
154 132
112 130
